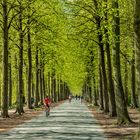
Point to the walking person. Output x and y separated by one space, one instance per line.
79 97
76 96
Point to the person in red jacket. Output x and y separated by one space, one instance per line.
47 103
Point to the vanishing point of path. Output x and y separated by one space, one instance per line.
68 121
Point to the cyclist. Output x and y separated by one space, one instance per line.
47 103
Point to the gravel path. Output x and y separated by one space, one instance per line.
68 121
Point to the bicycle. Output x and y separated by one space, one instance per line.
47 110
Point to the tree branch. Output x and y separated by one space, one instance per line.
126 58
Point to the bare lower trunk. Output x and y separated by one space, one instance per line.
126 83
133 84
95 92
41 86
137 53
58 88
37 79
10 85
122 113
49 84
104 78
101 90
20 71
112 107
54 84
5 61
29 85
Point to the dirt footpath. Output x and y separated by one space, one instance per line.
112 130
15 119
68 121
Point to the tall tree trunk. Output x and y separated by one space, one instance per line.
52 87
137 48
58 88
33 86
89 87
90 94
16 81
29 85
5 61
87 90
49 84
133 82
10 84
126 82
33 89
64 91
110 83
103 70
0 97
43 76
122 113
20 72
41 84
37 79
95 92
112 108
54 84
102 58
101 100
61 89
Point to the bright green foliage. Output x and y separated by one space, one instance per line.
65 31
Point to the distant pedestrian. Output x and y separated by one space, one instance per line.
79 97
76 97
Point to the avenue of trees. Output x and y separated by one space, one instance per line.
58 47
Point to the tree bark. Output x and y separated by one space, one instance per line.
122 113
5 61
126 82
112 108
49 84
95 92
104 77
10 84
37 79
137 49
29 85
101 90
41 85
102 58
133 83
61 89
58 88
20 72
54 88
33 86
